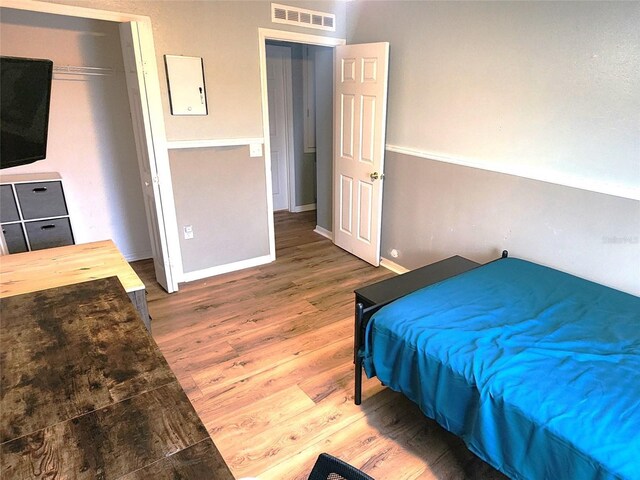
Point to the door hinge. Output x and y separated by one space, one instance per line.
156 180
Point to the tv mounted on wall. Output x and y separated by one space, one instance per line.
25 95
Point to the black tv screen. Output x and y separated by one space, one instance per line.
25 95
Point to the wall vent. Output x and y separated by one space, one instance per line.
302 17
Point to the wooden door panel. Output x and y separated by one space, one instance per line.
360 83
277 93
131 53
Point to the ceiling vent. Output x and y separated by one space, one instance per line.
302 17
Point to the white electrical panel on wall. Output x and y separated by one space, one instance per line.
185 76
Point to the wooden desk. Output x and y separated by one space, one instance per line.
86 393
54 267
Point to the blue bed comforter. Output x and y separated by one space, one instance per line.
537 370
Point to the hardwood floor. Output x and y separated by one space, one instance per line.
265 356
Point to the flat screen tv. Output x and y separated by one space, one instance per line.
25 95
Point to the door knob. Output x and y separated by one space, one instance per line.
376 175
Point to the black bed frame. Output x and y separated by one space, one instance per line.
362 316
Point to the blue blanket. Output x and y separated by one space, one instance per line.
537 370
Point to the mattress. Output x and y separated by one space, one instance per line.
537 370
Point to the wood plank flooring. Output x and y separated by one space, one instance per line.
265 356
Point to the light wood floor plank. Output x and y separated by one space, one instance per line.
262 384
266 357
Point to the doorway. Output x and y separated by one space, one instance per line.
300 102
265 35
360 87
281 128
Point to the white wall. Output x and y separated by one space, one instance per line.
90 139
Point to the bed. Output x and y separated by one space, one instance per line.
536 370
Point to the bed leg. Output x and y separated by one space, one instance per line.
357 324
357 397
357 361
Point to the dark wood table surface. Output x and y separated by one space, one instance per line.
86 393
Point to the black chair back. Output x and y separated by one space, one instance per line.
328 467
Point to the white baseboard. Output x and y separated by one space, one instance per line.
303 208
393 266
324 232
135 256
229 267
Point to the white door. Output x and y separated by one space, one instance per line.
131 52
360 112
278 59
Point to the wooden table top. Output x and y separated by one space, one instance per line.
86 393
54 267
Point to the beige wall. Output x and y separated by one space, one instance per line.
219 206
324 138
90 141
225 35
547 89
433 210
550 88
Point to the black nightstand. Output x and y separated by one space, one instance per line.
393 288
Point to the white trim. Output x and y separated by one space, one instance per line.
303 208
288 131
135 256
324 232
290 160
265 34
214 142
154 105
309 100
287 36
4 249
262 52
393 266
72 11
557 178
159 141
229 267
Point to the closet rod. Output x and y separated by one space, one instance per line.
71 70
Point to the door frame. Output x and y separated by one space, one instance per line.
265 34
288 130
159 151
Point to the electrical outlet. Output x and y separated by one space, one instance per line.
394 253
188 231
255 149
